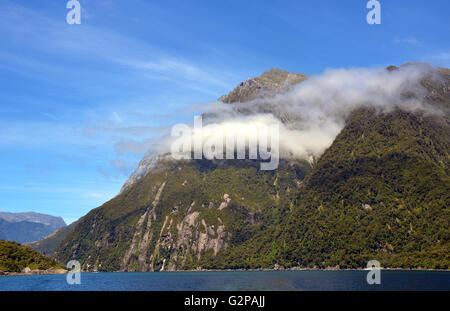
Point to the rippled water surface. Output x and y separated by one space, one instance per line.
239 280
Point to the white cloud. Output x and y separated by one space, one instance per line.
313 113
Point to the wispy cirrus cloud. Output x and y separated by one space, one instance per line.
99 88
407 40
170 68
45 34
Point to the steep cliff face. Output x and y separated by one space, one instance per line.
172 219
380 191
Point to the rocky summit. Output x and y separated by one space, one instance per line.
270 83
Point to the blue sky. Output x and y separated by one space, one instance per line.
79 104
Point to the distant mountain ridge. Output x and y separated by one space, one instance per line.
54 222
28 227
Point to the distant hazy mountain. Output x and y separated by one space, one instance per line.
28 227
51 221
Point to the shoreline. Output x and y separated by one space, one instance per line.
62 271
286 270
35 272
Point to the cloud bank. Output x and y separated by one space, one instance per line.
313 112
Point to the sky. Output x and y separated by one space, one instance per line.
80 104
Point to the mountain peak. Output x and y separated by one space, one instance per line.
271 81
273 72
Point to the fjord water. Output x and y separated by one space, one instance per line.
232 280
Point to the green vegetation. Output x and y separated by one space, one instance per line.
14 257
48 244
381 191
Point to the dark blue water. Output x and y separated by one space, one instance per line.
233 281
